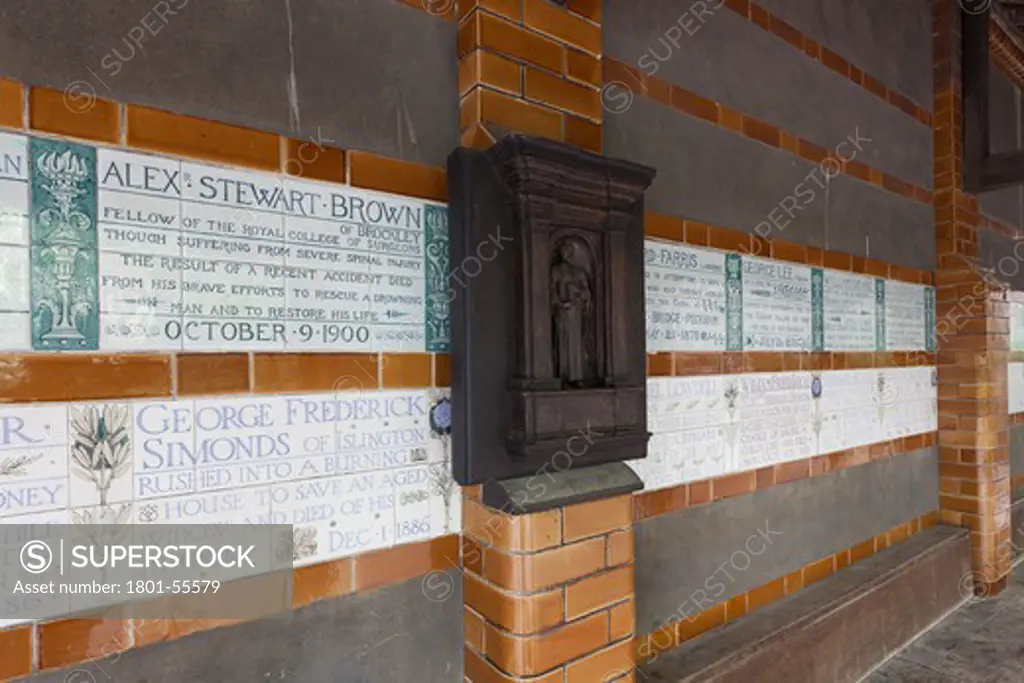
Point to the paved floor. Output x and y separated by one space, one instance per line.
982 642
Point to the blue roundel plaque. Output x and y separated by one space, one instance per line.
816 387
441 417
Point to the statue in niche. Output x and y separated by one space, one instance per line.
572 312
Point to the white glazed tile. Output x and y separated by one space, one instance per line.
776 306
696 454
15 332
164 445
904 316
422 496
1015 387
234 506
13 156
685 296
849 312
243 441
14 279
135 174
14 189
14 208
33 459
138 224
337 516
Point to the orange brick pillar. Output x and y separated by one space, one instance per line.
972 335
549 595
530 66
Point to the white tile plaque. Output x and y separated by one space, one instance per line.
848 305
776 306
353 470
162 254
1015 387
709 426
1017 325
685 297
906 316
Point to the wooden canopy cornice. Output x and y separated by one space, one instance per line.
989 35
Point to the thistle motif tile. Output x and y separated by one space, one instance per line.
101 456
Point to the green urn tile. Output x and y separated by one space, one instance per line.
817 309
438 332
64 261
880 340
929 319
733 302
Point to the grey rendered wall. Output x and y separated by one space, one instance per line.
870 34
385 636
372 75
709 174
1003 257
721 548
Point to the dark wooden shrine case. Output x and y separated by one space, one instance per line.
544 380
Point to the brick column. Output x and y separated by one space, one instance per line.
549 595
972 332
530 66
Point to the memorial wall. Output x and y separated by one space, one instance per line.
105 250
112 251
117 251
712 425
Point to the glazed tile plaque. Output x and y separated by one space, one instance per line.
119 251
776 306
685 297
109 250
909 317
712 425
358 471
845 312
1017 325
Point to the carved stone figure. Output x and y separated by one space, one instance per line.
571 303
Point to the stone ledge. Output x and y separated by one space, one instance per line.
837 630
